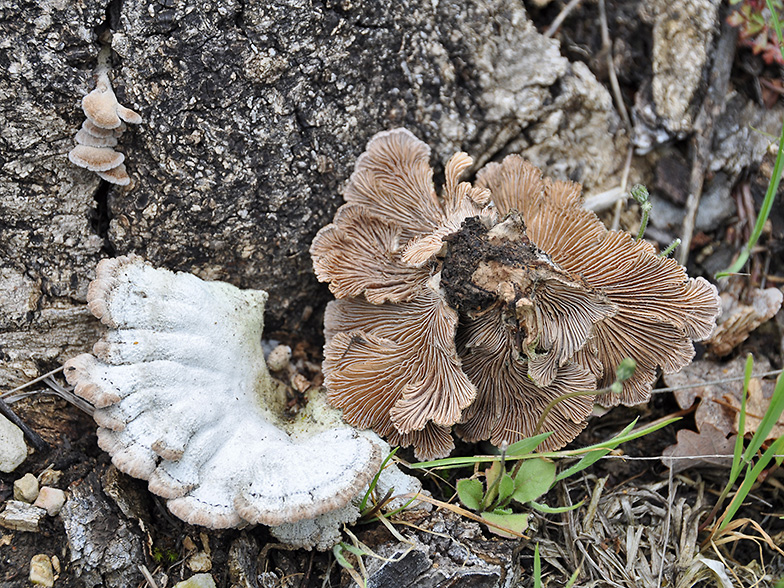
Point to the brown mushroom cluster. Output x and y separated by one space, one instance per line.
475 309
96 140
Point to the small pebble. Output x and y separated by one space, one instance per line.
51 500
197 581
21 516
199 562
41 572
26 488
278 359
13 450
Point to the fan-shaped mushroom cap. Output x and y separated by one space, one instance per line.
84 138
552 312
96 159
102 108
394 368
117 175
543 302
381 241
660 309
184 400
508 403
91 129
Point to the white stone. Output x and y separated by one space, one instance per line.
41 572
13 450
199 562
51 500
26 488
197 581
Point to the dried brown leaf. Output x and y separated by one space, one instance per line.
738 319
757 403
699 449
719 402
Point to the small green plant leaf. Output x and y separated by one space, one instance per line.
492 474
514 522
553 509
506 487
337 551
470 493
526 446
533 479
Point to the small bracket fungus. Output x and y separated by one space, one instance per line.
480 307
106 119
184 400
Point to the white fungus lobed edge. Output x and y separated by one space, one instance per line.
184 400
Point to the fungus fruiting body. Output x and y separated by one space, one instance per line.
476 309
183 399
105 122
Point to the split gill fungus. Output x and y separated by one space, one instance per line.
475 309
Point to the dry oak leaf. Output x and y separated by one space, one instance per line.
757 403
709 447
720 403
477 307
738 319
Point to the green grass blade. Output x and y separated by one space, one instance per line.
337 551
769 420
774 15
454 462
373 482
554 509
525 446
573 578
737 456
585 462
749 480
537 568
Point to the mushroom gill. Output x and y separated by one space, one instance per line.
660 310
480 307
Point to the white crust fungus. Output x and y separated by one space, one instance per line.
106 119
477 308
184 400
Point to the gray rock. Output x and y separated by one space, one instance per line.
743 134
13 450
454 553
683 35
21 516
254 113
716 206
104 547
